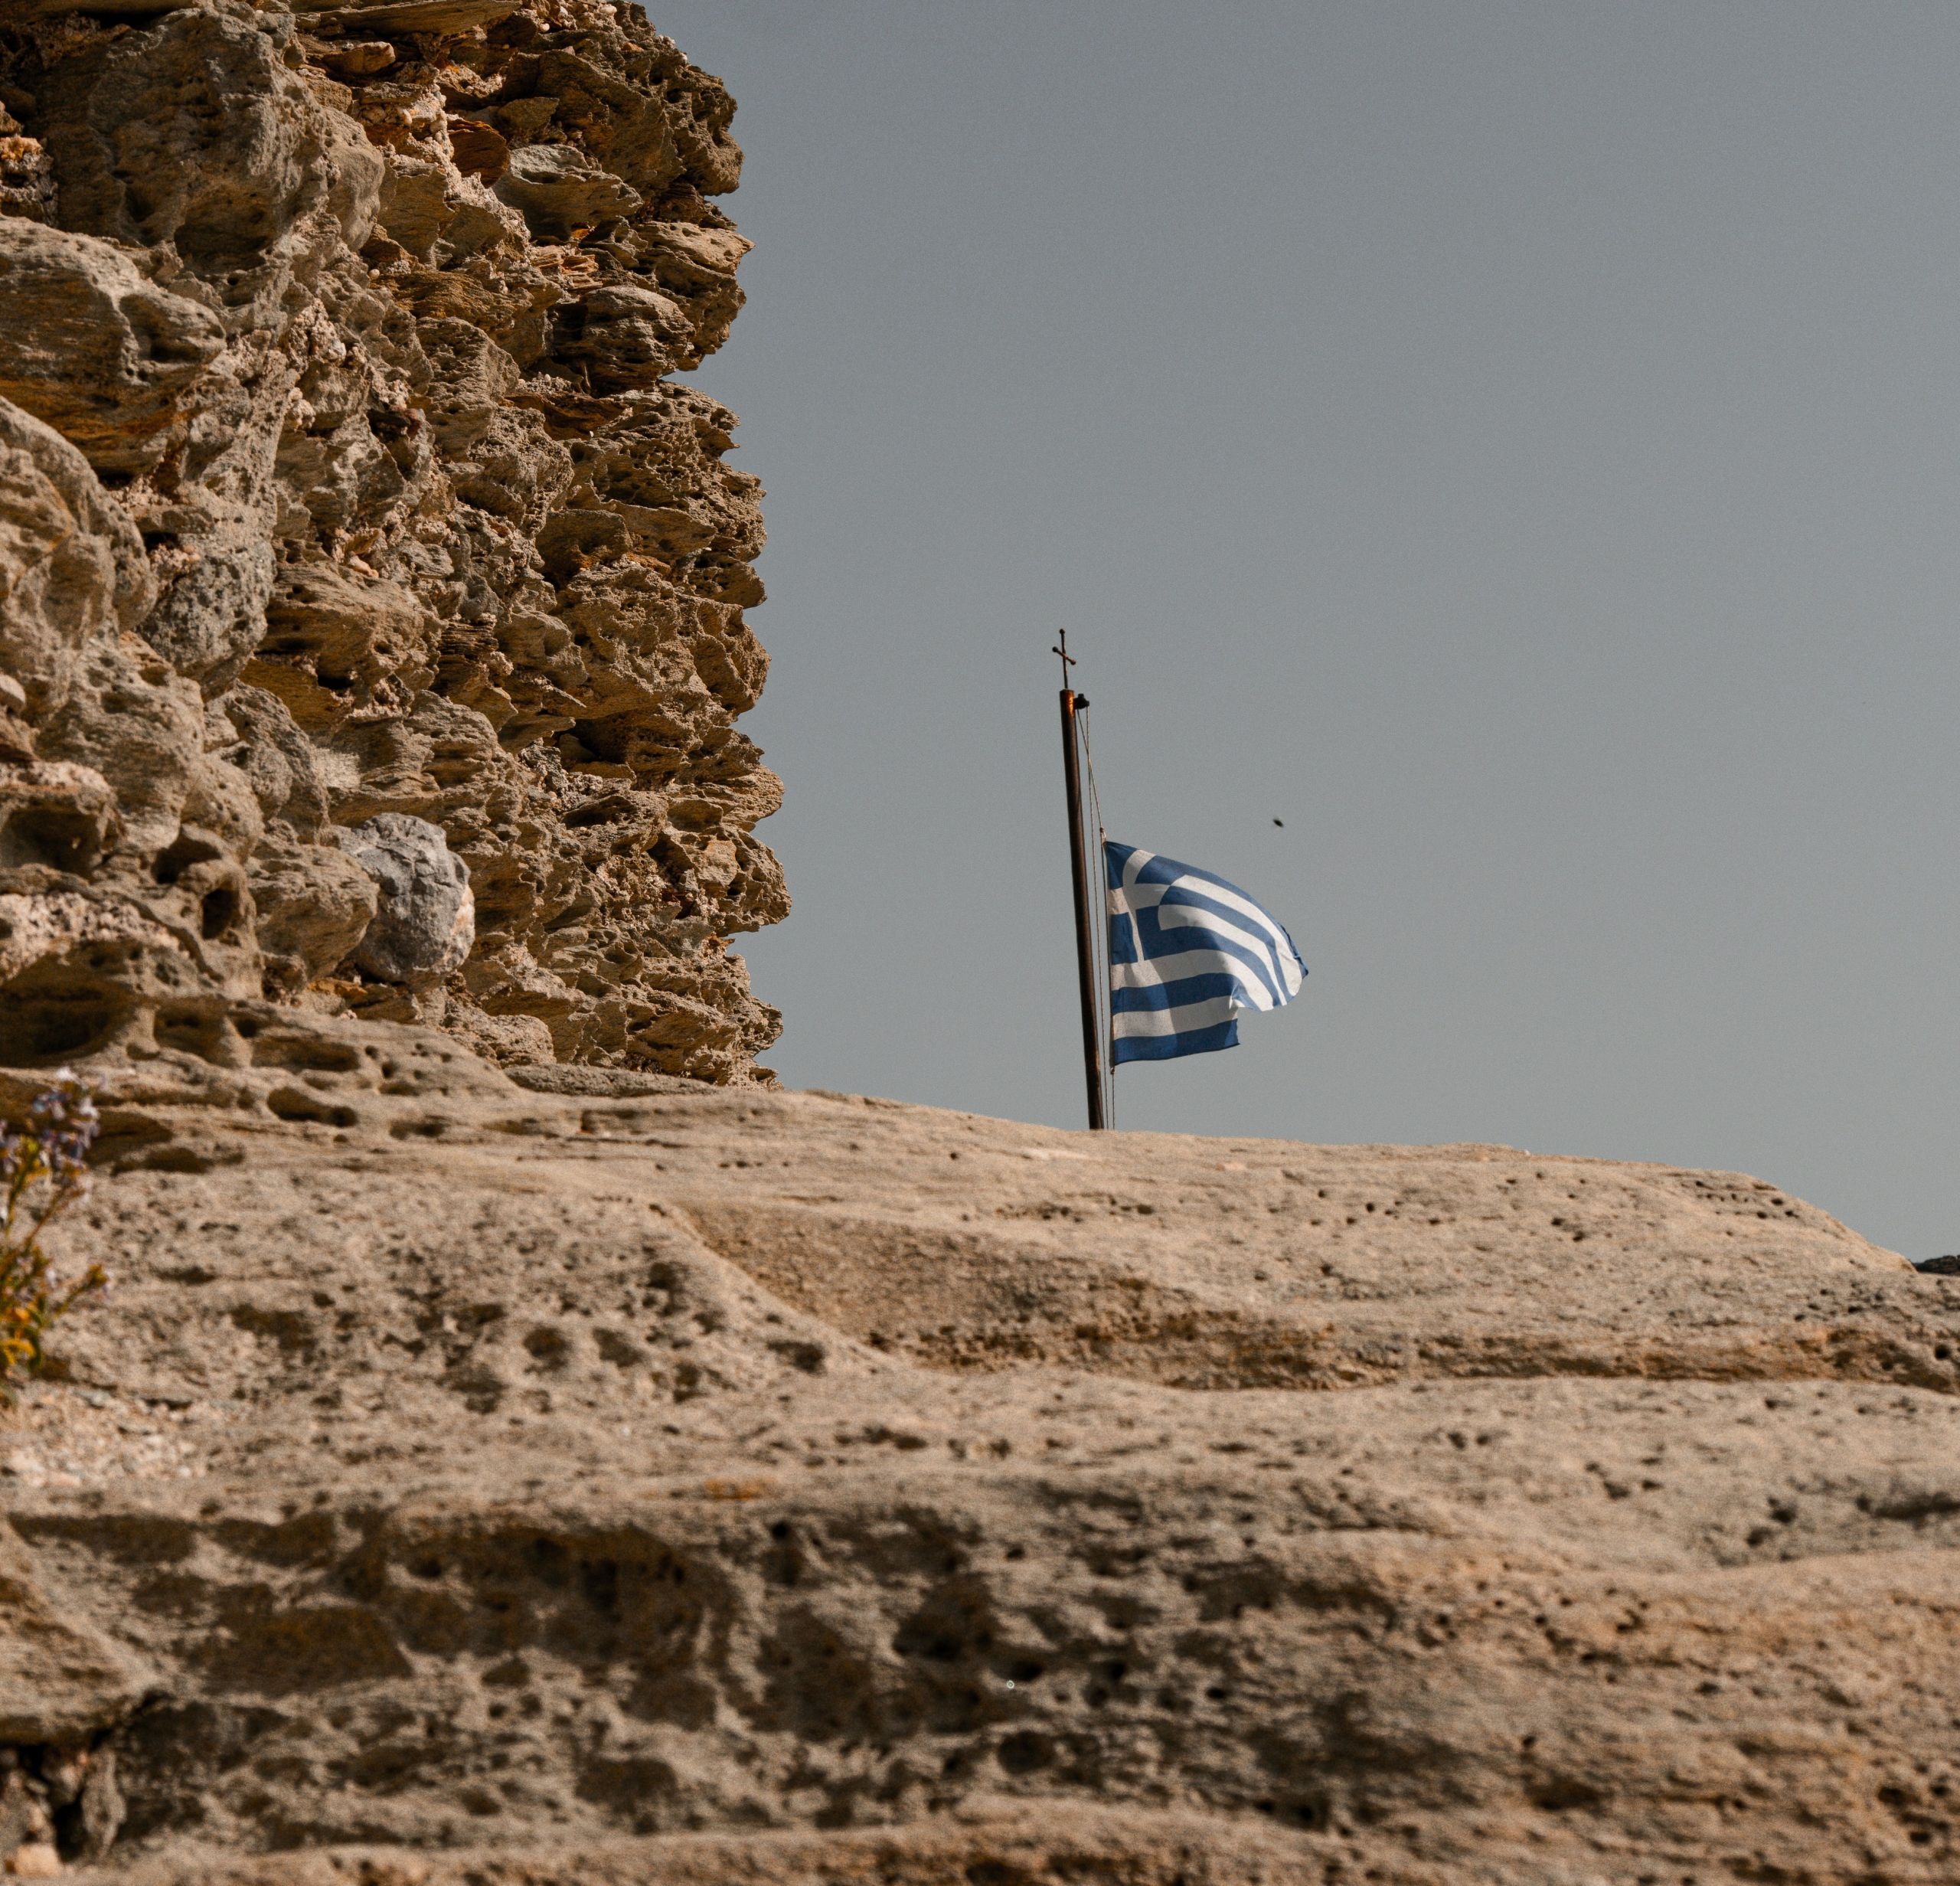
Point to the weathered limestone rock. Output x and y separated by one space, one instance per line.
607 1479
96 349
341 481
60 1682
426 919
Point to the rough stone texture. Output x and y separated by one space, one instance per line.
342 478
425 921
486 1483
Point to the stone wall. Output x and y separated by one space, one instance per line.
371 600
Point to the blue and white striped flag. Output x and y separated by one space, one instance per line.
1187 951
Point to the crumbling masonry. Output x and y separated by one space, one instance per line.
371 600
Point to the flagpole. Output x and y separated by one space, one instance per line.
1085 949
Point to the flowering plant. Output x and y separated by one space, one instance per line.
43 1171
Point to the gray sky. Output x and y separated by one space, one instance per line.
1518 445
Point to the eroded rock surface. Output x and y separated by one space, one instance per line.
470 1482
343 479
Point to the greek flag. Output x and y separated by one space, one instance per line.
1187 951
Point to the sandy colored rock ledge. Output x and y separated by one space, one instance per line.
474 1482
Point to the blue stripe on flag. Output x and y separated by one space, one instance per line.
1169 1047
1185 989
1211 942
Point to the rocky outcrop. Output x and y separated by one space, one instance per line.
468 1481
344 488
